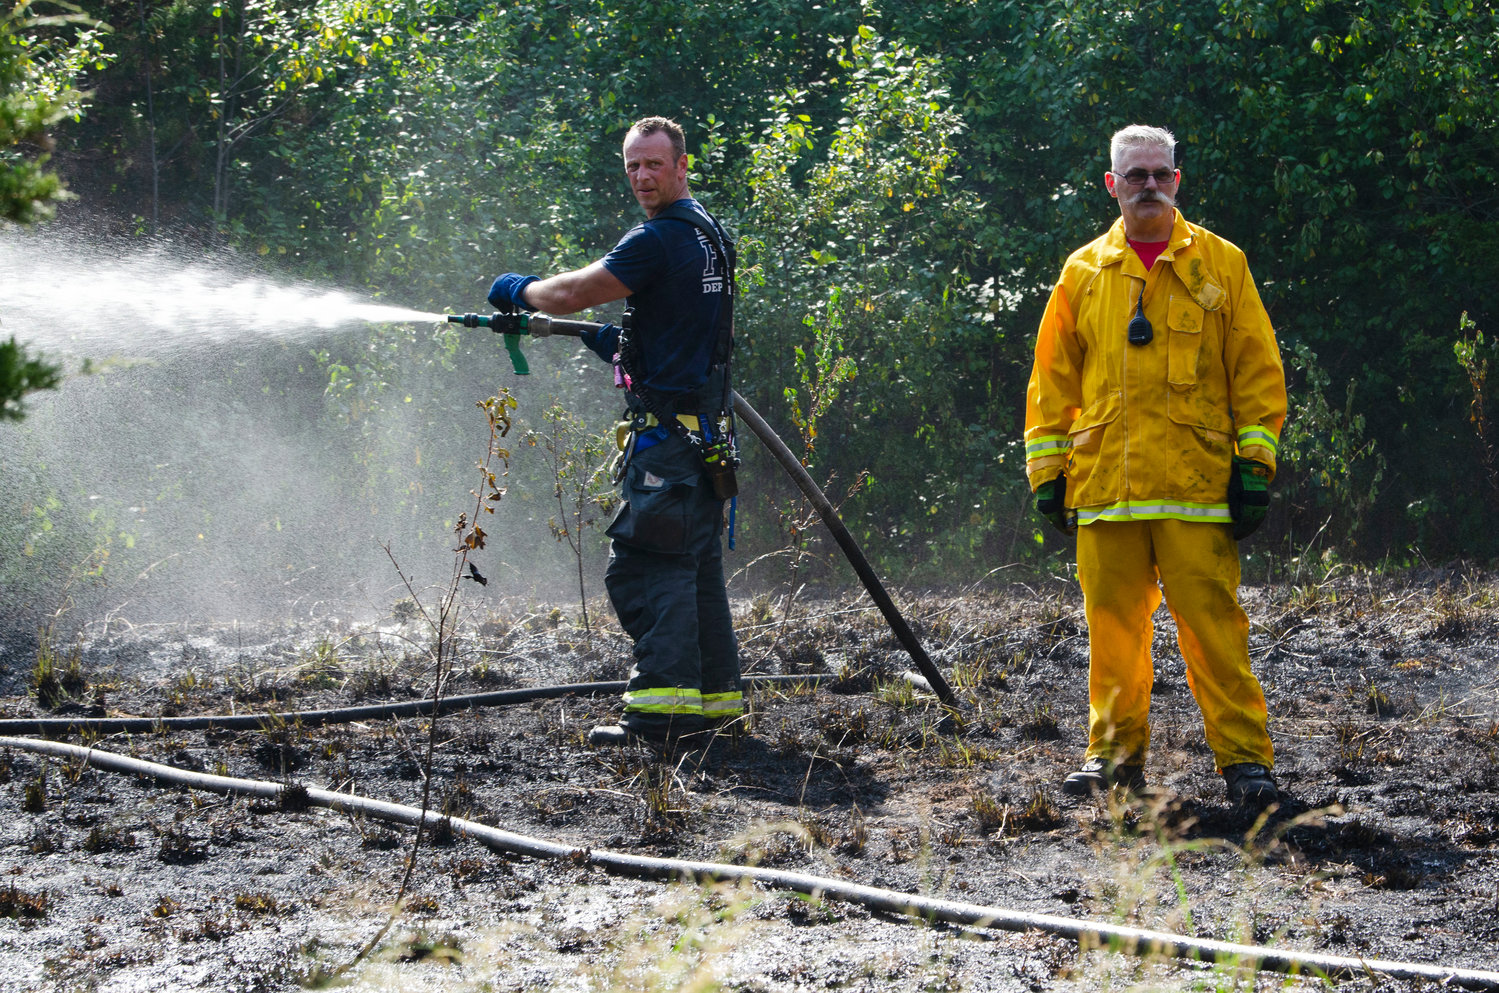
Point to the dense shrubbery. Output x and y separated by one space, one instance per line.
915 174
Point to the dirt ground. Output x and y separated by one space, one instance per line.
1384 701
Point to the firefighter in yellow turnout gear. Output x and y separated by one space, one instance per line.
1154 407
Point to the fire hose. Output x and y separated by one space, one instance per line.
1088 934
514 325
426 707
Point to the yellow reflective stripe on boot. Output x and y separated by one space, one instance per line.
664 700
723 704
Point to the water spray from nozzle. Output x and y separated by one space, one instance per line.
161 297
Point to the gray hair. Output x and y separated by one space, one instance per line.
1139 136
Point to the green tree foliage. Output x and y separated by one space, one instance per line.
37 65
868 213
201 88
21 374
927 164
1350 148
35 92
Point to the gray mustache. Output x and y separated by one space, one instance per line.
1147 196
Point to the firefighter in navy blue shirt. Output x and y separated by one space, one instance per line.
665 576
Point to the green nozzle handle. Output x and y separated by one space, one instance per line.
512 326
517 358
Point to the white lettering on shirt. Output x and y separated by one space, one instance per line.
712 280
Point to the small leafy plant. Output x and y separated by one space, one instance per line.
824 370
581 487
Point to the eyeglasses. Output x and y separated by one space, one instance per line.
1137 177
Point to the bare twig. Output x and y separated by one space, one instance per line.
443 624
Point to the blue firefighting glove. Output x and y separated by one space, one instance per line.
506 292
1051 503
604 342
1248 495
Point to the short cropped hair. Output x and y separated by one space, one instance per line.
650 125
1140 136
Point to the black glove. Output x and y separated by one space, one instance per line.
1051 503
506 292
1248 495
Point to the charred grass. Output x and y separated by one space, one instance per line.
1382 694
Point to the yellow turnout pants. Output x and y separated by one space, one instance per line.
1197 564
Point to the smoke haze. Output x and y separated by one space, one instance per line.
196 464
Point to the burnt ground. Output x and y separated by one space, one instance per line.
1384 699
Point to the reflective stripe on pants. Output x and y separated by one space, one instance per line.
674 605
717 706
665 700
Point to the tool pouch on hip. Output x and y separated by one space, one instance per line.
719 461
656 514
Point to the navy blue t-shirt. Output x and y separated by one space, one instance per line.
676 282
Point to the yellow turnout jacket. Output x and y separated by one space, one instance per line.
1147 431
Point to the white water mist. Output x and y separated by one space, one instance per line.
212 472
75 297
